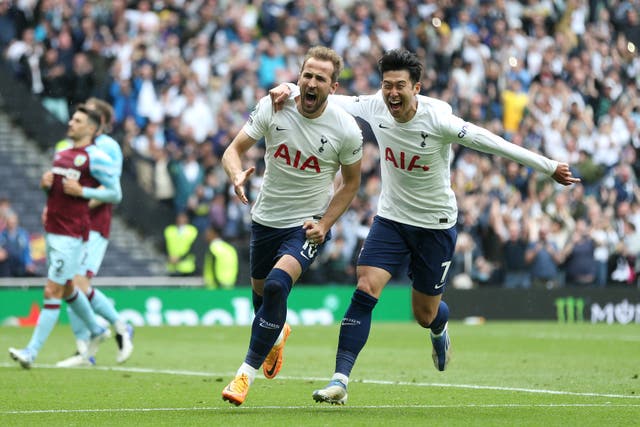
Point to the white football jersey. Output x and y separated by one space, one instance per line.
302 158
415 157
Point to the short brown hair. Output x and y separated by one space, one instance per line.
103 108
323 53
93 115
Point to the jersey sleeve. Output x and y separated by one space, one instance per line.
481 139
258 123
111 147
352 148
107 173
354 105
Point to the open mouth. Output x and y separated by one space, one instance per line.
310 98
395 106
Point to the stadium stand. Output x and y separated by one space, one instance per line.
183 75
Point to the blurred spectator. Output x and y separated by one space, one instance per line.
82 79
515 269
5 209
579 256
220 269
514 104
12 22
15 253
186 174
543 258
179 239
56 84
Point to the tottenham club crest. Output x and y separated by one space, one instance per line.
79 160
424 139
323 140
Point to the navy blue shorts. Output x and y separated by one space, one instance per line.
269 244
430 252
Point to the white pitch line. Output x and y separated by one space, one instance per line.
377 382
316 406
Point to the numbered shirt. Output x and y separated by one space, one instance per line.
69 215
302 158
415 157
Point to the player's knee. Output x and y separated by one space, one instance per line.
368 286
277 285
273 289
53 290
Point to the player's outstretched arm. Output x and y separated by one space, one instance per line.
232 163
563 175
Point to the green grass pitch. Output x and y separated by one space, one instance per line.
501 374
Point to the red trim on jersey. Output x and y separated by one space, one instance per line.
91 294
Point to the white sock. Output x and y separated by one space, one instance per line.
248 370
120 327
340 377
82 346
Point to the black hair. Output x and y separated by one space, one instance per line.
401 59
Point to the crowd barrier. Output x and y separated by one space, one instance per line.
186 302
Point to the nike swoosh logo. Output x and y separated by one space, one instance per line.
271 370
438 286
279 128
381 126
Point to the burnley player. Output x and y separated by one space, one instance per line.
417 211
307 143
95 250
67 228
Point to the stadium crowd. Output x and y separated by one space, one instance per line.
557 77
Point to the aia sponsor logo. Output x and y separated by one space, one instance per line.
402 161
297 161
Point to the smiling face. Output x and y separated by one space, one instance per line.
399 94
315 86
